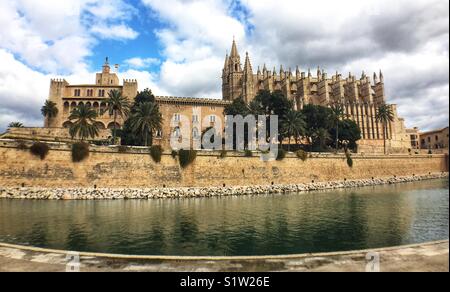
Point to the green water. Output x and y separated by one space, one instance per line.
247 225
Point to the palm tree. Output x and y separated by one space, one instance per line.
384 115
15 125
84 122
322 135
337 112
146 119
117 105
49 111
293 124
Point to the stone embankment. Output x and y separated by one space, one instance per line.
192 192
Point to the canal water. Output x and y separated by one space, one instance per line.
335 220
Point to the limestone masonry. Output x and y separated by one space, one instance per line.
108 167
360 97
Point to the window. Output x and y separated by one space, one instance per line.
195 118
212 119
436 137
176 117
429 139
77 92
101 93
90 92
176 132
195 133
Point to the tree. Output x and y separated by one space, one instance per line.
128 136
49 111
15 125
321 136
384 115
337 113
293 125
271 103
83 122
237 107
117 105
144 96
316 117
349 132
146 119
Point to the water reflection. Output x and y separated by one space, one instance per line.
248 225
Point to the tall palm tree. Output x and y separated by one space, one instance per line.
337 113
293 125
117 105
49 111
146 119
15 125
83 119
384 115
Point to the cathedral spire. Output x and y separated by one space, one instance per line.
225 66
248 66
234 51
381 77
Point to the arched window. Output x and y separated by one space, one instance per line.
88 104
66 107
100 125
111 125
73 105
158 133
176 132
195 133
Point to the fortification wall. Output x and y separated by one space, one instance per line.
107 167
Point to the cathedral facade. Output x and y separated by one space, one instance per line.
360 96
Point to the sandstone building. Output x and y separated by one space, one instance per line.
360 96
437 139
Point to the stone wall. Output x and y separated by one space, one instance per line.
108 167
47 134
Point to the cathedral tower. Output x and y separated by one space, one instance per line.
232 76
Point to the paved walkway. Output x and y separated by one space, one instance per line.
421 257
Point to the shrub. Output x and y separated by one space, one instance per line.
186 157
223 154
155 153
429 151
248 153
39 149
21 145
349 159
174 154
302 154
281 154
122 148
80 151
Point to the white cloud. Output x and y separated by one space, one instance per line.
137 62
408 40
117 32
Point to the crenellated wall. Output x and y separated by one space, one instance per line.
107 167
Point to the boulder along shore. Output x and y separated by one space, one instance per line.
40 193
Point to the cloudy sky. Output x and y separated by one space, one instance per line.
177 47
